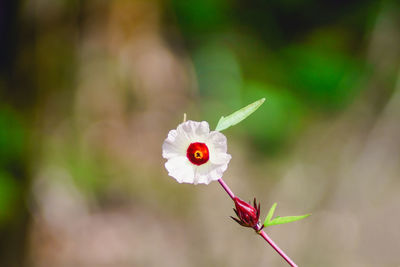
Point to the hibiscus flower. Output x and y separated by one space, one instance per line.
194 154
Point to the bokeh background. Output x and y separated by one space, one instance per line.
90 89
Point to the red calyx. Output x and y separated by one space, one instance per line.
248 215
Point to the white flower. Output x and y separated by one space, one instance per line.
195 155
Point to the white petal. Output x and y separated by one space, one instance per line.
181 169
220 158
218 141
204 174
174 146
194 131
202 129
217 145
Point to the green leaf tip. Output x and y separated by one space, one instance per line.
281 220
238 116
270 214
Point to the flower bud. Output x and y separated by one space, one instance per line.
248 215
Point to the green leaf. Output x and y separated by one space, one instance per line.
287 219
281 220
269 215
238 116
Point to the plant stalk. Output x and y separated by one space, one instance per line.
261 233
277 249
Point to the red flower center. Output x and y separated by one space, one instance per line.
197 153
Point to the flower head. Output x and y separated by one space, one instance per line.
248 215
194 154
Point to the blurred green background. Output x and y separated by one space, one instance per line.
90 89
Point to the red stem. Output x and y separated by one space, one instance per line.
261 233
277 249
227 189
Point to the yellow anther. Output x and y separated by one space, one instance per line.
198 154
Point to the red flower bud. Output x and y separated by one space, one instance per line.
248 215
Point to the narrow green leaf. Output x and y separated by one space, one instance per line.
269 215
288 219
238 116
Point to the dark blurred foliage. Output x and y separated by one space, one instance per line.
304 56
14 163
89 89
